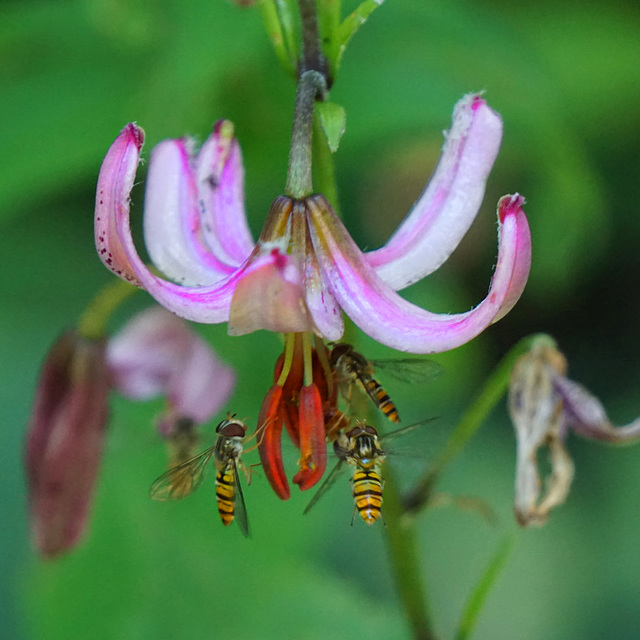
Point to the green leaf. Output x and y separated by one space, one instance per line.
348 28
333 121
273 27
481 591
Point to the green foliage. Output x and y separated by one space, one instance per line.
482 589
333 122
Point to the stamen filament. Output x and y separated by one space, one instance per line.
289 347
307 359
324 362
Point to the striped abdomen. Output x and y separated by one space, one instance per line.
367 493
380 398
226 492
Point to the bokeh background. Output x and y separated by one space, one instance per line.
565 76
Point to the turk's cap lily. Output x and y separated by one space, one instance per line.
65 441
157 353
544 404
305 268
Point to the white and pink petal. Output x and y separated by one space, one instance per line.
172 222
443 214
220 178
209 304
381 313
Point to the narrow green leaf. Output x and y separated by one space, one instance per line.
273 27
329 12
290 19
481 590
333 121
350 25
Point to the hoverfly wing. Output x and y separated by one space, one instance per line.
240 508
409 370
417 441
182 480
326 485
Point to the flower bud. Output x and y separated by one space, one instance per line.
65 439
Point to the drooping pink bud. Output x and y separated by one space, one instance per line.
158 353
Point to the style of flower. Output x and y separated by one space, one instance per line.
155 353
305 268
544 404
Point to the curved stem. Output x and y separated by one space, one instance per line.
402 542
93 322
312 56
299 179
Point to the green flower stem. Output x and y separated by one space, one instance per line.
402 542
323 169
495 387
312 56
299 179
93 322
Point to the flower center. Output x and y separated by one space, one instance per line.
304 400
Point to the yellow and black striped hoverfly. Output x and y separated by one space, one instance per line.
352 369
360 447
185 478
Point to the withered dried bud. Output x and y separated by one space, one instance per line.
536 410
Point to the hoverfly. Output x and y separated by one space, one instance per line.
353 369
361 448
185 478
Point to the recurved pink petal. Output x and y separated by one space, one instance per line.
115 245
322 304
115 182
220 178
269 296
585 414
450 203
391 320
173 229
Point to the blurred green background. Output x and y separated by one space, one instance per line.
565 77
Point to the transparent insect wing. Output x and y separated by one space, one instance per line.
182 480
240 508
330 480
409 370
419 441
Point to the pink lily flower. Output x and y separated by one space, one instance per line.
305 268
